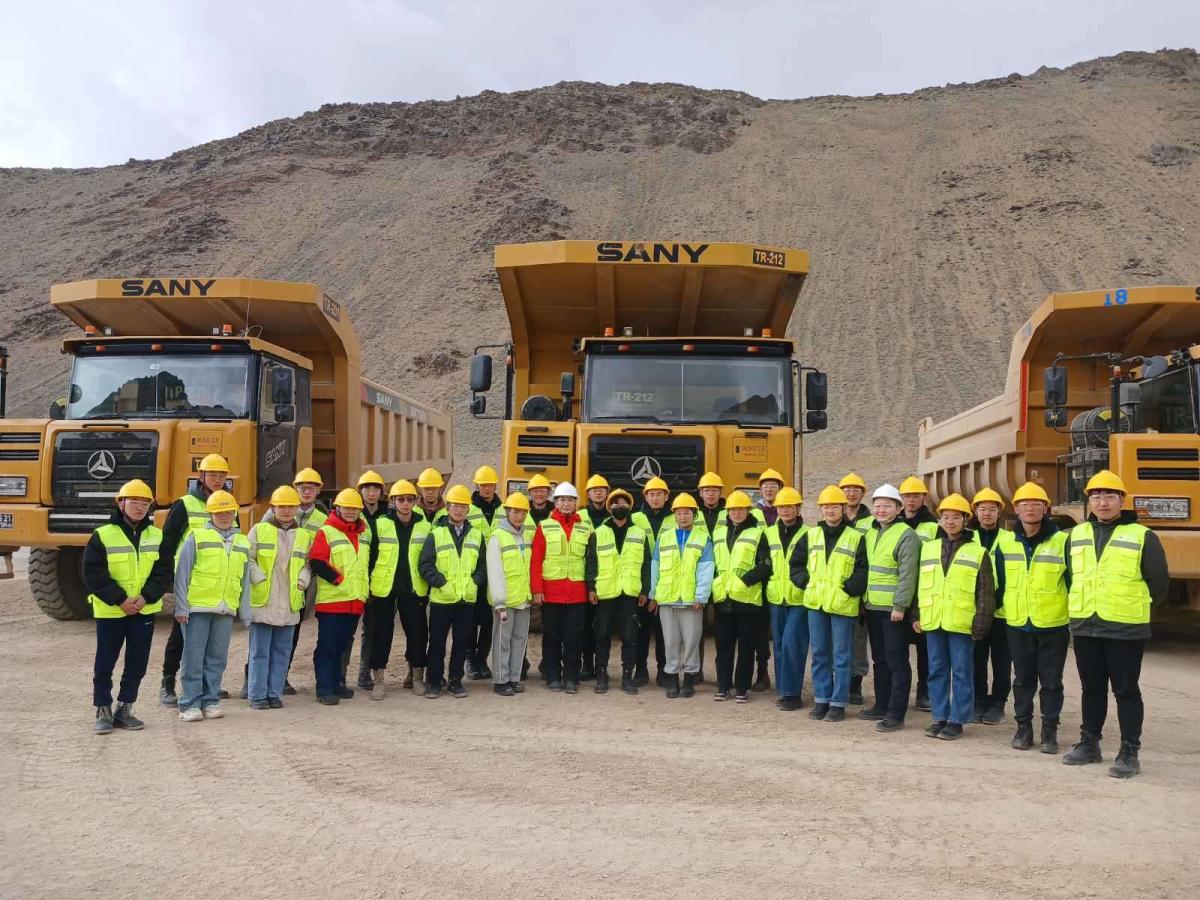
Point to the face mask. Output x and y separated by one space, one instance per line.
619 512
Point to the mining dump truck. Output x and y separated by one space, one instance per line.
1106 379
168 370
637 359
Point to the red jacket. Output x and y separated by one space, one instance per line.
561 590
318 561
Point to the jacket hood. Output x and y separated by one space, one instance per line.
1127 517
492 504
358 526
503 524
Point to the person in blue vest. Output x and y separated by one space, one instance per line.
126 575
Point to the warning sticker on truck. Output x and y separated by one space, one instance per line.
204 442
751 450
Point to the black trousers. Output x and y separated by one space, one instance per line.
1107 661
922 659
348 652
481 629
173 652
588 646
134 633
453 620
762 639
379 627
414 620
619 613
737 632
562 637
993 648
1038 657
889 656
650 626
295 641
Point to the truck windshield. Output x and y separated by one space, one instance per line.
184 386
701 390
1169 402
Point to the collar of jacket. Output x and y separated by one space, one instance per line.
399 523
748 522
964 536
1127 517
923 515
1048 529
622 525
788 530
492 505
508 526
565 520
833 532
863 512
118 518
358 526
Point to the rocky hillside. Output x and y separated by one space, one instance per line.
936 220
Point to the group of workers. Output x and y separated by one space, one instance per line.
468 567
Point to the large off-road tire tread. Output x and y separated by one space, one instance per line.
56 584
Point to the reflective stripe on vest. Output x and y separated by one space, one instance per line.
386 559
128 566
217 573
926 531
416 540
312 520
826 575
883 572
514 561
264 541
619 573
676 585
564 558
197 514
1111 587
780 589
351 562
459 568
947 599
1034 590
735 562
480 523
863 525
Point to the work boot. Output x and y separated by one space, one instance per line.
872 714
923 702
689 685
672 683
835 714
104 720
166 693
977 717
288 690
952 732
407 683
788 704
934 729
762 683
124 718
1049 738
601 682
379 691
641 676
661 678
627 683
888 725
994 715
818 711
346 693
856 694
1085 752
588 671
418 677
1023 739
1126 764
570 686
504 690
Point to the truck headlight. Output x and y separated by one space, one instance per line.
1175 508
13 485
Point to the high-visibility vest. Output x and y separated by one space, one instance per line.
458 567
1035 590
197 514
642 521
991 558
676 585
514 561
926 531
827 575
883 572
352 562
780 589
217 573
1112 587
264 543
416 540
620 572
863 525
479 521
731 563
947 599
723 519
564 557
128 566
312 520
387 558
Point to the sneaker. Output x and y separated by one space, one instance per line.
274 703
328 699
288 690
456 690
504 690
872 714
124 718
166 693
517 687
433 690
762 683
835 714
213 712
570 687
346 693
721 696
259 704
554 685
993 715
887 725
923 703
741 698
818 711
934 729
951 732
191 714
104 720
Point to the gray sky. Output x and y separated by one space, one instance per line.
94 83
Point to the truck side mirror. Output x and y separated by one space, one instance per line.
566 384
75 393
1054 386
478 405
816 393
481 373
816 420
283 387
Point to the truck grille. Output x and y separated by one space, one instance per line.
629 461
543 440
1177 454
89 466
1165 474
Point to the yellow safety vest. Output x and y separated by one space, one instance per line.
883 572
1034 590
416 540
947 599
514 561
128 566
619 573
926 531
863 525
386 559
735 562
197 514
565 558
459 568
676 585
780 589
217 573
351 562
826 575
480 523
1111 587
312 520
264 542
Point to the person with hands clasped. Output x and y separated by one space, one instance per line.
742 567
508 558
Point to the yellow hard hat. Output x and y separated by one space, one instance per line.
370 477
788 496
913 485
430 478
683 501
954 503
458 494
220 502
852 480
135 490
987 495
516 500
739 500
486 475
308 476
655 484
214 462
538 481
1031 491
831 494
596 481
771 475
403 488
348 497
711 479
285 495
616 495
1105 481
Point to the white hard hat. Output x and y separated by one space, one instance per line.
565 489
888 492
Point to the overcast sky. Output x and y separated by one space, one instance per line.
95 83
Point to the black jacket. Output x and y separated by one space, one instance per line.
427 562
855 585
95 565
710 514
923 515
540 513
175 525
591 567
596 516
487 507
402 586
656 519
1029 543
760 574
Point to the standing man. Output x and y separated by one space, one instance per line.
431 505
556 578
711 504
484 516
597 512
681 578
508 560
370 487
540 506
1118 569
409 589
860 518
916 515
788 613
126 576
650 519
770 483
1032 580
742 566
310 516
989 705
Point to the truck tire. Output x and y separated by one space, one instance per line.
56 581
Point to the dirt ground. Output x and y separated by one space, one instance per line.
546 795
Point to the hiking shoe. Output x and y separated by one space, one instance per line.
213 712
346 693
1023 739
993 715
1126 764
923 703
934 729
124 718
1085 752
433 690
1049 738
166 693
570 687
259 704
835 714
288 690
889 725
504 690
104 720
274 703
517 687
328 699
721 696
456 690
872 714
818 711
856 694
191 714
952 732
378 679
641 676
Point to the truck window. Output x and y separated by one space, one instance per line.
161 384
1169 402
682 391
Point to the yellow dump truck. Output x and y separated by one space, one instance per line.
167 370
1096 379
636 359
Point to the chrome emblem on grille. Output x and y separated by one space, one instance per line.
101 464
644 468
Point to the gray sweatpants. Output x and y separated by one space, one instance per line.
683 629
860 667
508 645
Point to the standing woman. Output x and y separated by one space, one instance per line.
681 578
789 617
742 566
508 591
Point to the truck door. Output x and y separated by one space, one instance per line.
277 426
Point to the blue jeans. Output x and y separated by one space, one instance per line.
270 652
335 632
205 651
832 654
951 676
789 634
